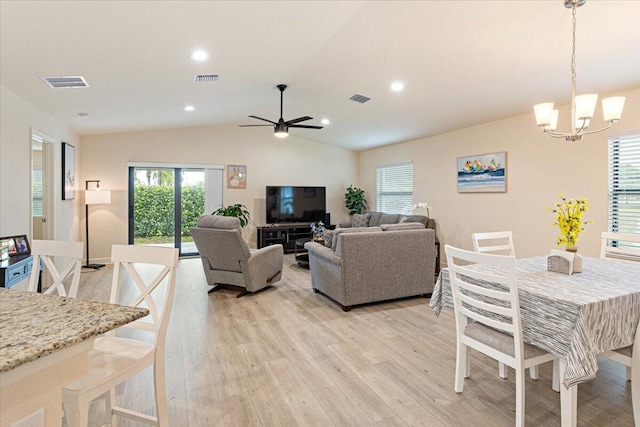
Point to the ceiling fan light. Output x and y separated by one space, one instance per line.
281 130
281 133
543 113
612 108
586 105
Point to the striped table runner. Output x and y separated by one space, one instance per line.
574 317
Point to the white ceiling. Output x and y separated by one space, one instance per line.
463 62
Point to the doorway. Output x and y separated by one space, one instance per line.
41 186
165 201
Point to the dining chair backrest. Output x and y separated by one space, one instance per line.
136 262
623 246
44 252
495 306
500 242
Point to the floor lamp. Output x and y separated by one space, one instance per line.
94 197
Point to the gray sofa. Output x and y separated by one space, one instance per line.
369 264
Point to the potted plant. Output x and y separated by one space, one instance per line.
354 200
238 210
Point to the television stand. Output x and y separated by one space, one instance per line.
284 234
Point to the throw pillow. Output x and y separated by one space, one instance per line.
403 219
328 238
361 220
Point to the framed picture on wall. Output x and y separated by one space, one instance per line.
236 176
483 173
68 171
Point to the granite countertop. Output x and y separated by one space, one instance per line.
34 325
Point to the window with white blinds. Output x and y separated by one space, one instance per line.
394 188
624 184
36 191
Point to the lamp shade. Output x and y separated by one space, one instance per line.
543 113
612 108
97 197
586 105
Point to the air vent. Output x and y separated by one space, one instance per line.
65 81
206 78
360 98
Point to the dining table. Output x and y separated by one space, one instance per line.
572 316
44 345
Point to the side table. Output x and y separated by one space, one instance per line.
301 254
16 269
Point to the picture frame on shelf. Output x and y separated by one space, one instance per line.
68 171
14 245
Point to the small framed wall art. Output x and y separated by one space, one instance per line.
236 176
483 173
68 171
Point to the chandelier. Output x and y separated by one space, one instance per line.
582 106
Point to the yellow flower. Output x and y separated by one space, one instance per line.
568 216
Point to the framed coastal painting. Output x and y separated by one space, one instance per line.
68 171
236 176
483 173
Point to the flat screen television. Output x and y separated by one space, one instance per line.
286 204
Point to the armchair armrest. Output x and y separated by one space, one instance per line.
264 266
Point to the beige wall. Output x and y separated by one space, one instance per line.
269 161
539 168
17 119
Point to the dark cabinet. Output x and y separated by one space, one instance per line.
286 235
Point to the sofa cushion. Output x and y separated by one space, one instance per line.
361 220
402 226
374 221
389 218
339 231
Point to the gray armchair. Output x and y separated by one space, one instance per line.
227 260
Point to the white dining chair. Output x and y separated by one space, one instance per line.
500 242
631 359
488 319
45 252
627 246
114 359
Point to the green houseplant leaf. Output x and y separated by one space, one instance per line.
238 210
354 200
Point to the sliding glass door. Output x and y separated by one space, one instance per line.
166 201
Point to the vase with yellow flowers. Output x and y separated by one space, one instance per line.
568 215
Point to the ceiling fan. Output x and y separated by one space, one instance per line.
281 127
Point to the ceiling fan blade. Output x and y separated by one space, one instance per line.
248 126
260 118
306 126
298 120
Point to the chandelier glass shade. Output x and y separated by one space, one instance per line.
582 106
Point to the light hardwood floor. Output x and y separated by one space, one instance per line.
289 357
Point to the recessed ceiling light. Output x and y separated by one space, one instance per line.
397 86
189 108
199 55
325 121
